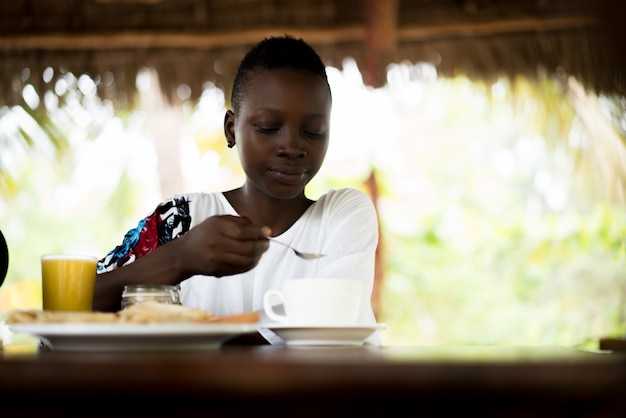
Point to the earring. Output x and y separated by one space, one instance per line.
231 144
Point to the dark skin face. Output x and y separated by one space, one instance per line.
281 134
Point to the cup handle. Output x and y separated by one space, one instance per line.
269 309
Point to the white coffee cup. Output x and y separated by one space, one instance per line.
316 301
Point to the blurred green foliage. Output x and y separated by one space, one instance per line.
510 288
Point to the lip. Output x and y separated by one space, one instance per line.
289 174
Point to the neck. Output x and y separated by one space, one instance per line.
278 214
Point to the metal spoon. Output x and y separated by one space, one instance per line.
306 256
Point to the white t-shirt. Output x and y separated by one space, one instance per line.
342 224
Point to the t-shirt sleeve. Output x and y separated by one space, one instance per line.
352 234
352 240
170 220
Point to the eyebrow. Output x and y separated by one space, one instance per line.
277 111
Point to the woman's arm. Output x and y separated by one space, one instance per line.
219 246
161 266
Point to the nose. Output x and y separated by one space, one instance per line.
291 144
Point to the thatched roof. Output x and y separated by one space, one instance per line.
194 41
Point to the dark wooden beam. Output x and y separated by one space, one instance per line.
381 34
129 40
355 33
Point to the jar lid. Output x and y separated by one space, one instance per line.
150 288
136 293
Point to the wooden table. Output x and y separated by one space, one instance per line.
316 382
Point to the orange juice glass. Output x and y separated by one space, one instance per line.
67 282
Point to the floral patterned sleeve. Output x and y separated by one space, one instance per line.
170 220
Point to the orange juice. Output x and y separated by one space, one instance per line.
67 282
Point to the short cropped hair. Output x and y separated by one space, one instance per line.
271 54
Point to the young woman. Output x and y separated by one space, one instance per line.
216 244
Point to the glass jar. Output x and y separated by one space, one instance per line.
136 293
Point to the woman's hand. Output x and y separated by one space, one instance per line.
221 246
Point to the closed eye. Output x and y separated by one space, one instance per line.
266 130
314 134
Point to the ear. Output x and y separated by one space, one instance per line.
229 128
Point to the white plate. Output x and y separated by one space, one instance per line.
133 337
323 335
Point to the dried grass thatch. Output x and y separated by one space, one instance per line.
194 41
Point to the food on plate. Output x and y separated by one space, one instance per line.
152 311
28 316
244 318
147 312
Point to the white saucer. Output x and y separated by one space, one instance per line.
323 335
